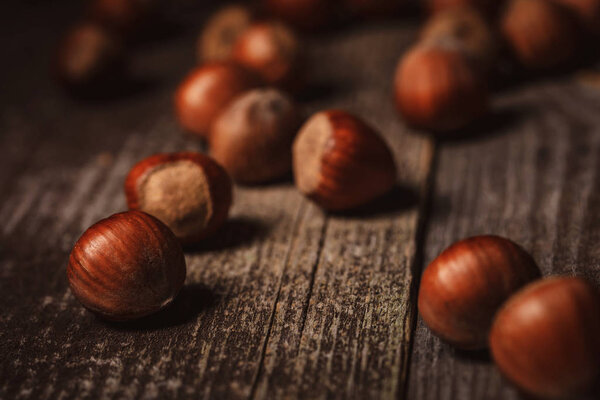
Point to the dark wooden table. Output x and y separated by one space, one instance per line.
287 301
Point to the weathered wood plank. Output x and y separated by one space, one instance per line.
342 323
535 180
65 170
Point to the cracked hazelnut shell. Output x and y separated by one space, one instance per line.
252 139
207 91
187 191
464 286
340 162
546 338
126 266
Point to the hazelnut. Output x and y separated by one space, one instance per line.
464 286
588 11
206 91
302 14
542 34
189 192
271 50
253 137
340 162
546 337
438 88
126 266
88 57
467 26
221 32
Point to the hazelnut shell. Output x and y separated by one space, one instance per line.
464 286
253 137
438 88
207 90
340 162
546 337
126 266
187 191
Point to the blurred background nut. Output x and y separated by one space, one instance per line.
438 88
467 26
88 57
588 12
272 50
253 137
221 32
488 7
542 34
124 16
207 90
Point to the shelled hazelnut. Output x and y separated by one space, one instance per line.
187 191
546 337
302 14
221 32
462 289
88 57
207 90
126 266
340 162
467 26
438 88
542 34
253 137
273 51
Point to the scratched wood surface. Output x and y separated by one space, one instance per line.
286 301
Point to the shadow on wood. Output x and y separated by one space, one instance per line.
192 300
237 231
400 198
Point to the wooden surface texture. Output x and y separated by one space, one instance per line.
287 301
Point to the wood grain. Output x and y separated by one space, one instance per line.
64 169
535 179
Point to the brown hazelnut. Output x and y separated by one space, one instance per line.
546 337
340 162
253 137
187 191
588 11
464 286
302 14
467 26
207 90
88 57
542 34
438 88
126 266
272 50
221 32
